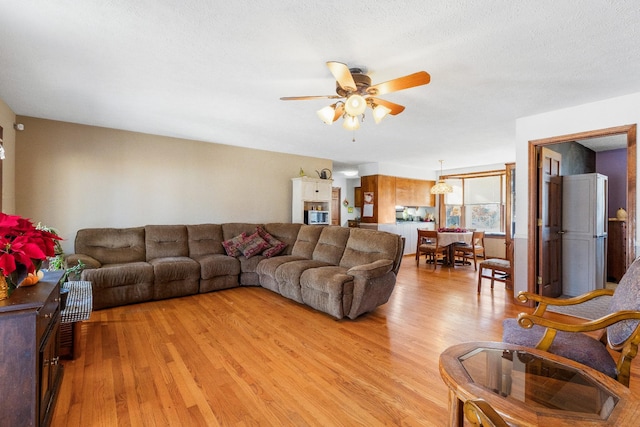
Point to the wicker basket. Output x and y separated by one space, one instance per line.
4 288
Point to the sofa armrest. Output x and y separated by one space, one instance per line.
89 261
371 270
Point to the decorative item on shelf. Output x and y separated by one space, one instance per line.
301 173
324 173
621 214
22 249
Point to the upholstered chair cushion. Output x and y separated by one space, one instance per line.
572 345
625 297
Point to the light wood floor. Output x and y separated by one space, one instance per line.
246 357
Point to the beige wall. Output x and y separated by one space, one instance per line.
7 119
73 176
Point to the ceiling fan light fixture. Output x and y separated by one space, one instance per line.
380 112
351 123
355 105
326 114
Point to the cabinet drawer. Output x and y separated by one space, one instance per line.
49 311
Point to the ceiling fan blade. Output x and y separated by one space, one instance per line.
395 108
342 74
339 111
412 80
304 98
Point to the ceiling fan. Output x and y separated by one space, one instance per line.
354 86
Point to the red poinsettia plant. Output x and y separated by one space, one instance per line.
23 247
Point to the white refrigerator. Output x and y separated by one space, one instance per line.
584 233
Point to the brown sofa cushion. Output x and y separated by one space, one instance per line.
361 249
285 232
306 241
166 241
205 239
112 245
331 244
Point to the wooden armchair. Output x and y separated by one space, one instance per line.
620 328
428 245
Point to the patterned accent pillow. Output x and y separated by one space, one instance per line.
272 241
274 250
231 245
253 245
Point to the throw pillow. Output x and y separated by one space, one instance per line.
274 250
272 241
231 245
253 245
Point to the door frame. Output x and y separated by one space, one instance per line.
532 249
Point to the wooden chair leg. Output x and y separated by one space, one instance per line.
479 279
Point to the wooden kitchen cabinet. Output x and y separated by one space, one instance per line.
383 188
414 192
616 250
357 197
29 353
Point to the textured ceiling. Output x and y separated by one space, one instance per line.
214 71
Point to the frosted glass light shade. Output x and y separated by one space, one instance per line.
351 123
441 188
326 114
380 112
355 105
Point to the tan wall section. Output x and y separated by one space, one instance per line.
73 176
7 119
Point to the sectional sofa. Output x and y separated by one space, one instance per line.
344 272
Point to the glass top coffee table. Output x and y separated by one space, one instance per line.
532 387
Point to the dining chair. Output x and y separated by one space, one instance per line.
620 328
472 250
428 244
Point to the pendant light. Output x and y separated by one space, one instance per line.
441 187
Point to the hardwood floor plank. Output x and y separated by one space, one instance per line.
248 357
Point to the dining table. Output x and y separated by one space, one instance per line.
450 239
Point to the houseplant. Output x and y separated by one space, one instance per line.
22 249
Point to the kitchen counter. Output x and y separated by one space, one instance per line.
406 229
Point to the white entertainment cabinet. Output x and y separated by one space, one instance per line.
311 195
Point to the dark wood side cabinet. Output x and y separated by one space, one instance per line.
30 372
616 250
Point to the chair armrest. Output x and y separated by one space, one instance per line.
371 270
528 320
543 301
89 261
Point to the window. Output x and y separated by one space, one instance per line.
477 201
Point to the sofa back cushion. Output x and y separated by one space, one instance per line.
366 246
112 245
205 239
233 229
306 241
285 232
331 244
166 241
